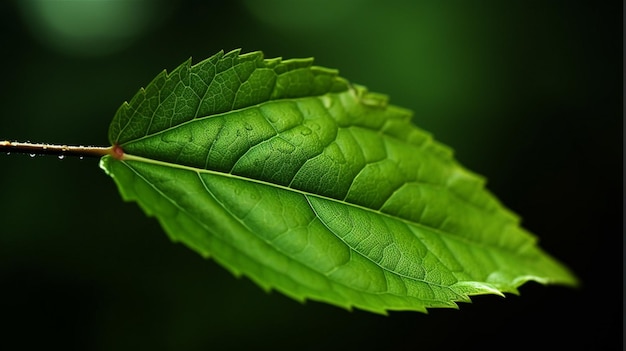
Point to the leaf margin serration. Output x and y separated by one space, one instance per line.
379 101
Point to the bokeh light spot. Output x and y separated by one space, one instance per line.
88 27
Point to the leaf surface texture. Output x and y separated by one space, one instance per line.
287 173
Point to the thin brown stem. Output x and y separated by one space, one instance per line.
57 150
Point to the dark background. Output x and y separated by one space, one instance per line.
528 93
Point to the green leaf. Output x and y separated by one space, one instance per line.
288 174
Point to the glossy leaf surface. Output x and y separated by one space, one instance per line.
288 174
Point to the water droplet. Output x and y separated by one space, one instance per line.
8 153
32 155
271 117
61 157
81 157
282 145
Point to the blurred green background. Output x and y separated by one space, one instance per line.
528 93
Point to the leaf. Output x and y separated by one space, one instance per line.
288 174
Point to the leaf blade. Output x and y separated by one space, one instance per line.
323 191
